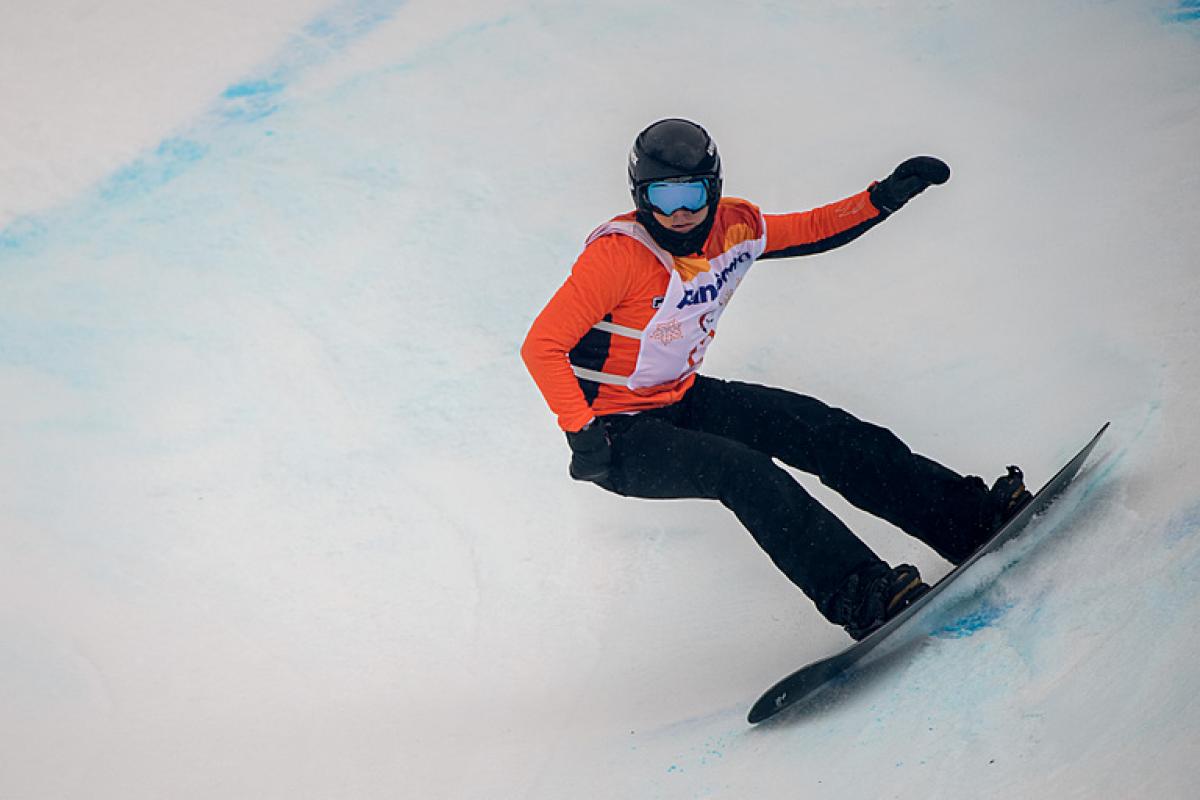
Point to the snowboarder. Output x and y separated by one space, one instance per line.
616 353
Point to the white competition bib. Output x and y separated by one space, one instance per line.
673 343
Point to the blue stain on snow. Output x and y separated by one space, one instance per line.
169 159
972 623
338 29
331 32
252 89
1189 11
1183 526
318 40
21 233
251 100
243 102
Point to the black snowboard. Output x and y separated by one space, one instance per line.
808 681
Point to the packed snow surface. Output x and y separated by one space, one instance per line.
283 516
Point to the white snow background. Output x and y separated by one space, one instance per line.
283 516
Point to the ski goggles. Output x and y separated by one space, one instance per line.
667 197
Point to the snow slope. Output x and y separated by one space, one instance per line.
282 516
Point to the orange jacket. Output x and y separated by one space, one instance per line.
628 329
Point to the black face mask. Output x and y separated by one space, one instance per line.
679 244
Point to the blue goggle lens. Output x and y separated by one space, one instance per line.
668 197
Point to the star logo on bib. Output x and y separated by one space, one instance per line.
666 332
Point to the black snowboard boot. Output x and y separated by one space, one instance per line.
870 598
1001 503
1008 496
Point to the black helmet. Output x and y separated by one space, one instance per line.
672 149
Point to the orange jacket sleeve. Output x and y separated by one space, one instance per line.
598 281
821 229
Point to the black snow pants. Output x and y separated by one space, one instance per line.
720 441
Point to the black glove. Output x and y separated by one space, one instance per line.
591 452
907 181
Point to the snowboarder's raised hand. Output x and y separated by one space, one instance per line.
907 181
591 452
